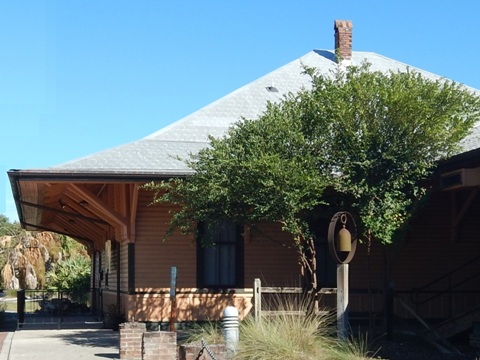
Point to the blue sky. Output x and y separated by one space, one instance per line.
78 77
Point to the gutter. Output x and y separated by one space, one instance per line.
93 176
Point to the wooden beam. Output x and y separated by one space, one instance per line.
101 209
83 213
133 210
471 196
63 212
80 239
77 228
120 202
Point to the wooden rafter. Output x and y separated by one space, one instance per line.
101 209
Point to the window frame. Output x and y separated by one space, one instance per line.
239 258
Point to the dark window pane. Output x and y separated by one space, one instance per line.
218 256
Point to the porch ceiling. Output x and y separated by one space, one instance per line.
89 211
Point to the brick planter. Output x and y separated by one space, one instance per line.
190 352
131 340
159 345
136 343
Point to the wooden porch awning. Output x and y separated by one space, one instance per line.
90 208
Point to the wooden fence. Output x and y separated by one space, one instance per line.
285 301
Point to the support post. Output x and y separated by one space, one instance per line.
20 308
131 268
173 297
342 301
119 283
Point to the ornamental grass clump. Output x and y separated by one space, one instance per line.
353 348
209 331
294 333
289 337
289 329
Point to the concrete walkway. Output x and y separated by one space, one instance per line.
60 344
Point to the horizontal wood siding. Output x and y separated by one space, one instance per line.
124 267
271 257
155 256
432 248
268 252
109 298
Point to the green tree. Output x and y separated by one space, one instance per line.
357 140
389 132
8 228
11 232
72 274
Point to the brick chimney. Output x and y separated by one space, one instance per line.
343 39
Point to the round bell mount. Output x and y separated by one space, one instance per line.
342 237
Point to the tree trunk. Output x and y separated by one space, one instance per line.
308 263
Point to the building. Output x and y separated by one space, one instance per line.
98 201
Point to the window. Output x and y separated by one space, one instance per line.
220 256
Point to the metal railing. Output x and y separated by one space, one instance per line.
451 286
52 307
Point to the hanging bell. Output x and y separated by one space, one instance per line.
344 240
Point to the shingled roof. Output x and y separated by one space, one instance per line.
157 154
72 198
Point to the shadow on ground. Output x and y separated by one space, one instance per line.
8 322
91 338
107 356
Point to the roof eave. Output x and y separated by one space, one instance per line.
93 176
464 159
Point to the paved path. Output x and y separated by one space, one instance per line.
60 344
3 336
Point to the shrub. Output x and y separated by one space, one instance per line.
72 274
